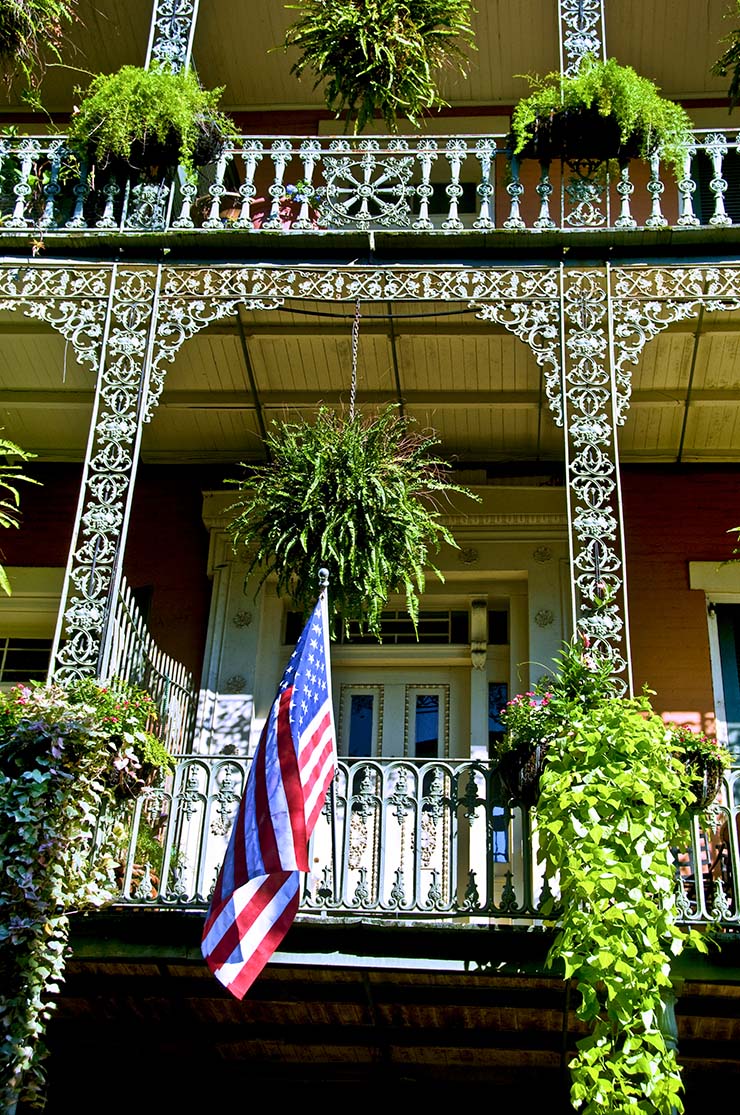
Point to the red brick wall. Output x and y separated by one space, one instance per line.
674 516
167 546
168 549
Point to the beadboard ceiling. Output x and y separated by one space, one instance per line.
674 42
475 384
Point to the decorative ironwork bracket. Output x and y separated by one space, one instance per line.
585 327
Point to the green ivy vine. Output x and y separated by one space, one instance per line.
62 760
614 801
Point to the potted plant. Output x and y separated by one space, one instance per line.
521 753
604 111
127 714
380 57
150 119
356 495
30 32
613 803
533 720
705 759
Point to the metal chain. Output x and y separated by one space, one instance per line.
355 346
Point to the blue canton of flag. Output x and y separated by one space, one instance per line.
258 889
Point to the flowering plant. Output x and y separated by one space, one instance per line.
304 191
697 748
64 753
527 720
582 679
115 720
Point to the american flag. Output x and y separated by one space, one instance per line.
258 888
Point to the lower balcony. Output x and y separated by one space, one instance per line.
399 841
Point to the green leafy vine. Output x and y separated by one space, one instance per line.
615 799
65 754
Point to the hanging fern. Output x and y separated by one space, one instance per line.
381 56
153 107
602 93
30 32
355 495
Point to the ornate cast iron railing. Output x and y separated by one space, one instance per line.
270 184
134 656
399 839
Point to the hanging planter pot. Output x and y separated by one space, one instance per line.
520 770
706 780
604 111
705 762
151 120
354 494
357 495
580 135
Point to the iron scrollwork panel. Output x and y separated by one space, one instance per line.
108 473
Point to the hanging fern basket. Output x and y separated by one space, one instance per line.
150 120
604 111
358 495
381 57
582 135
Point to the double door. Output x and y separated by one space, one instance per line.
394 712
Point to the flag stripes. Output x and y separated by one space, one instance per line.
257 893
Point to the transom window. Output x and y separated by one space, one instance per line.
443 628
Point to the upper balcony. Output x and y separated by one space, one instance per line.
414 191
294 182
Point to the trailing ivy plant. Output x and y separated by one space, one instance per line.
31 31
157 108
614 802
381 56
61 756
10 474
645 121
357 495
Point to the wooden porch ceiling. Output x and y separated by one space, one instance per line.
475 384
672 41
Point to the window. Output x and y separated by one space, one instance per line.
704 198
728 631
498 692
360 720
23 660
427 721
498 628
443 628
